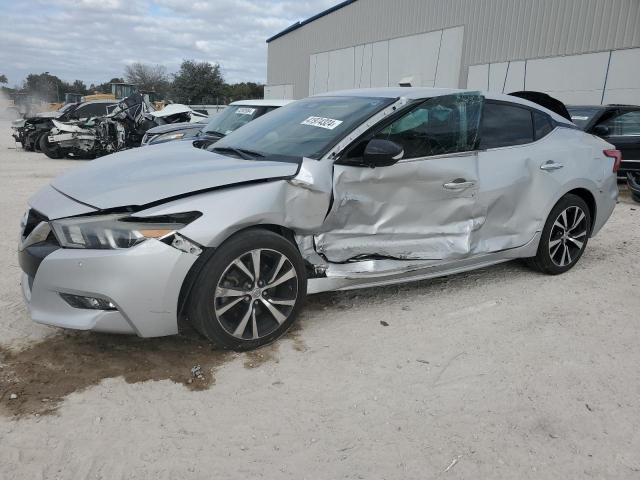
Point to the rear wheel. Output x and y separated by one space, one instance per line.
564 236
249 293
51 150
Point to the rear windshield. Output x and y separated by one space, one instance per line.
582 115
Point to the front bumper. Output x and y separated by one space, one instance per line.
143 282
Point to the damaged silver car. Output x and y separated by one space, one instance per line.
345 190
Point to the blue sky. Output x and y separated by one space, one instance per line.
92 40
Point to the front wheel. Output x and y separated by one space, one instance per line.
564 236
249 292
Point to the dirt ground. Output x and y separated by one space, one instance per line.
497 373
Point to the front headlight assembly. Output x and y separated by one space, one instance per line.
117 231
166 137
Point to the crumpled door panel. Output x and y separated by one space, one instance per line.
403 211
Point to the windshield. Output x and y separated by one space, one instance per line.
68 106
306 128
582 115
232 118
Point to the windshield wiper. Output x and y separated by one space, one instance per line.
241 152
214 132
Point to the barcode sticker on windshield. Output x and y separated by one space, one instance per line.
328 123
579 117
245 111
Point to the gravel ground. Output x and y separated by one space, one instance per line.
496 373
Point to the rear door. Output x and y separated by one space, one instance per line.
520 167
422 207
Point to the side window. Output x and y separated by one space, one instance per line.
505 125
542 125
438 126
627 124
91 110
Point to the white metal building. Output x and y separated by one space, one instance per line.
580 51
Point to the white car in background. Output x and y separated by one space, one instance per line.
231 118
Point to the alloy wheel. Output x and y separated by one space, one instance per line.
568 236
256 294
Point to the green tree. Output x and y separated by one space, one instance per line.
197 82
44 86
148 78
3 78
244 90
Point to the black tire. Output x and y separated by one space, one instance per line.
36 142
49 149
207 303
636 197
558 251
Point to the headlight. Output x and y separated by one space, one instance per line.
117 231
168 137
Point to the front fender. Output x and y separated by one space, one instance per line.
300 204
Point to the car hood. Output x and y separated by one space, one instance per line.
175 127
141 176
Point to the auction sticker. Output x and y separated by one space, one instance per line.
245 111
328 123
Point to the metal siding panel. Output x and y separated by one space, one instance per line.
495 30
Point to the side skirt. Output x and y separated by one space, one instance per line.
375 273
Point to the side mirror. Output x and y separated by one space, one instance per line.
382 153
601 130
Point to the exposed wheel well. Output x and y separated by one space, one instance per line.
589 199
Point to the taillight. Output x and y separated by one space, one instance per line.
617 156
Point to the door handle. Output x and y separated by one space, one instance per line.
551 165
458 184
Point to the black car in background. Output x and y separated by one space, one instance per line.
32 132
618 125
234 116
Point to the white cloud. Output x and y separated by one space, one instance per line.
92 40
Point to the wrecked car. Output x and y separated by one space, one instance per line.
343 190
231 118
123 127
32 132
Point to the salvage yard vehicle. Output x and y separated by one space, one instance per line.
32 132
124 127
618 125
344 190
231 118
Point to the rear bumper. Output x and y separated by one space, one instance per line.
605 203
143 282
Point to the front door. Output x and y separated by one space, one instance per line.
422 207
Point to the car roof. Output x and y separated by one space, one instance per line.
262 103
112 102
414 93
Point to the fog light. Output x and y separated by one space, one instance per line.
92 303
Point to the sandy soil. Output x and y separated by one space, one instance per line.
497 373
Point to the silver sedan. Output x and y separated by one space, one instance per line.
345 190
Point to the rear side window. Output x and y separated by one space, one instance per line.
542 125
505 125
91 110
